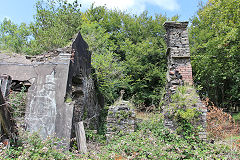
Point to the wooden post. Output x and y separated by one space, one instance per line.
5 82
81 137
4 121
7 123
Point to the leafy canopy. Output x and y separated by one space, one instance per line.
215 41
128 51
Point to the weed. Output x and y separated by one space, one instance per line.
153 141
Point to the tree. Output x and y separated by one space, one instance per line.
13 37
109 71
137 43
215 41
54 24
128 51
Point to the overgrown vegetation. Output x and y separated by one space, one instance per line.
128 52
220 124
17 101
236 117
183 111
150 141
31 146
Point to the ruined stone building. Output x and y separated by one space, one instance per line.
180 70
60 91
121 118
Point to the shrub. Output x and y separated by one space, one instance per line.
183 112
31 146
17 101
153 141
219 124
236 117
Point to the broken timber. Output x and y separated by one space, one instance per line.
7 123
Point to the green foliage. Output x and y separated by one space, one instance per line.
31 146
181 110
185 97
68 100
92 136
108 70
146 66
187 114
215 41
153 141
13 37
17 101
236 117
54 24
186 119
150 141
128 53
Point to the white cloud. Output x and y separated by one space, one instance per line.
166 4
135 6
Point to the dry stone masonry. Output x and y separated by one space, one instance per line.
121 118
180 71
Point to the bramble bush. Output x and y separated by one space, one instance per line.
153 141
31 146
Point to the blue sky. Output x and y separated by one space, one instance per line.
23 10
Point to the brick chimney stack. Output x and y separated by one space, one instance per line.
178 54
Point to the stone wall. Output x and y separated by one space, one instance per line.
121 119
82 89
180 71
61 89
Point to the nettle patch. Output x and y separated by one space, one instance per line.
183 111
